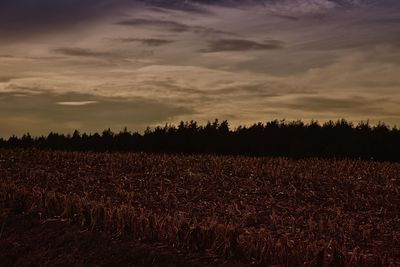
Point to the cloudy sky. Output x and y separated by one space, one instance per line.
94 64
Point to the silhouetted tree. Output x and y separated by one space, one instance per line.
296 139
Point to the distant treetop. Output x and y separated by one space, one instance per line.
295 139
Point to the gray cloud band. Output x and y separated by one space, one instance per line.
241 45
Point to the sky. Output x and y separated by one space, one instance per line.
97 64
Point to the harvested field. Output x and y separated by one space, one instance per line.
260 211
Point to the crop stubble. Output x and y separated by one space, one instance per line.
269 211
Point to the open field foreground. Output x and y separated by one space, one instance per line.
220 209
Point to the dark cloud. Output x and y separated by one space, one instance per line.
186 6
5 79
21 18
80 52
102 58
171 26
45 112
240 45
286 17
149 41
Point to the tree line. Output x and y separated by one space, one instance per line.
294 139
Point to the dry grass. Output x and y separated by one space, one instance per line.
269 211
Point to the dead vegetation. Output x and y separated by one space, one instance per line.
264 211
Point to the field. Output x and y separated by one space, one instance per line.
223 210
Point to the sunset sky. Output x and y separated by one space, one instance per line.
94 64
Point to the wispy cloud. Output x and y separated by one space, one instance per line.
184 6
148 41
241 45
81 52
300 7
40 113
76 103
172 25
155 60
354 104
